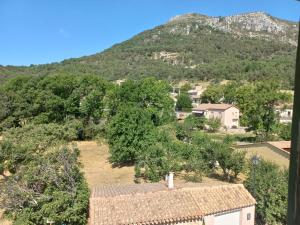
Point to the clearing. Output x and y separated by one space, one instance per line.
98 171
267 153
96 167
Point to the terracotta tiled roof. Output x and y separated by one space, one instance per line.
118 189
154 203
213 107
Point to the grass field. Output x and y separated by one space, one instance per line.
267 154
98 171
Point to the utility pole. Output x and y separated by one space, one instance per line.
294 170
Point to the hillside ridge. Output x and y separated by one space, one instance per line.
250 46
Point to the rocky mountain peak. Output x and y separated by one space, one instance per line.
253 24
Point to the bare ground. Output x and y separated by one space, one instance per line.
98 171
267 154
3 221
96 167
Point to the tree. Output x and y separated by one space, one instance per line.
284 131
238 162
213 94
185 88
149 93
229 91
269 185
184 103
50 186
49 99
214 124
91 106
161 157
44 179
129 133
231 161
193 122
257 102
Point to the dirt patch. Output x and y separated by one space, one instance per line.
267 154
96 167
3 221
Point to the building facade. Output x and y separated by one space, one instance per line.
285 113
227 114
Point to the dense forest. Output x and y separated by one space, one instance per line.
168 52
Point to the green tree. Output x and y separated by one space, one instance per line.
257 102
213 94
269 185
129 133
190 124
50 186
214 124
184 103
185 88
149 93
284 131
161 157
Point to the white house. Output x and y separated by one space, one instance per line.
228 114
155 203
285 113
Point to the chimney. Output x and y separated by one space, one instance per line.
170 180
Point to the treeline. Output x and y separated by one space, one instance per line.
54 99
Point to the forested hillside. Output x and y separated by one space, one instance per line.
251 46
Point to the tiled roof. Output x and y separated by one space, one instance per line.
154 203
213 107
118 189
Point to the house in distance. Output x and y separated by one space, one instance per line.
228 114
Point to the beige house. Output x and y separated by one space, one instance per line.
228 114
155 203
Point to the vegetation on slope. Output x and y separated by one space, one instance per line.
172 52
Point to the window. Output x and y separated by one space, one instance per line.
248 216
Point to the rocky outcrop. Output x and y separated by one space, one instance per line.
256 24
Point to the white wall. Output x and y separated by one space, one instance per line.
231 117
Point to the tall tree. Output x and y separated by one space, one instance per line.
129 133
184 103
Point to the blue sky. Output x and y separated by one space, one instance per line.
44 31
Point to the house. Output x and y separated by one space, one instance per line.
228 114
195 94
285 113
155 203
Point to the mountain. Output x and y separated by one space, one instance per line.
251 46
